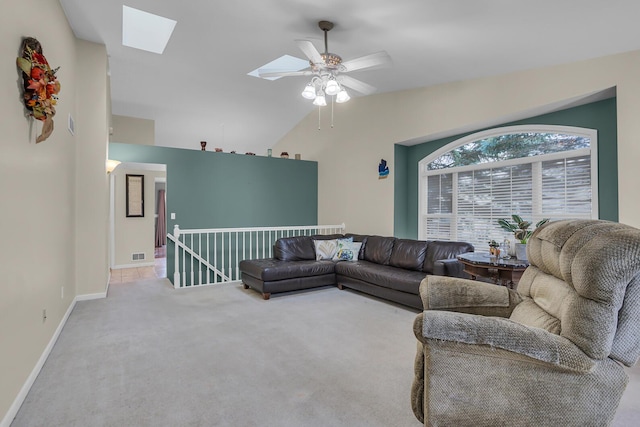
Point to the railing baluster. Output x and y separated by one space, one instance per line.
244 245
230 270
199 264
237 269
184 264
192 267
207 258
215 256
222 246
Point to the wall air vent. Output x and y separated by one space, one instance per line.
137 257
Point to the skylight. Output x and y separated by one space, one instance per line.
146 31
284 63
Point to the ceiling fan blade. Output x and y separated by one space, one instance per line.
375 60
357 85
310 51
266 73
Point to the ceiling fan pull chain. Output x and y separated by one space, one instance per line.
319 108
332 99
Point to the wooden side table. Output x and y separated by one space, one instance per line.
505 272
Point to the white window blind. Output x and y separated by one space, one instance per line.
465 203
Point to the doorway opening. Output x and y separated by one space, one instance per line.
138 243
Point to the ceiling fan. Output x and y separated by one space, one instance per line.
328 71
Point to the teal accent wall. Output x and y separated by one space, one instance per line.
220 190
599 115
401 193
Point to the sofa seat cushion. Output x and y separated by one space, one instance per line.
269 269
382 275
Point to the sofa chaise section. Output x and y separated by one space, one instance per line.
269 276
293 267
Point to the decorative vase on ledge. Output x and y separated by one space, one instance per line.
521 251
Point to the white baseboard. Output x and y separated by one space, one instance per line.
139 264
17 403
22 395
88 297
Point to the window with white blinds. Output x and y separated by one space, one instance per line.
552 175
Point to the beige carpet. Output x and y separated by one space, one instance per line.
149 355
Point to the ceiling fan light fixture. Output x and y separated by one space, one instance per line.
309 92
342 96
320 100
332 87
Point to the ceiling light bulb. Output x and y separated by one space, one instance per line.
343 96
332 87
309 92
320 100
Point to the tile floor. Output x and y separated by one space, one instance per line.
159 270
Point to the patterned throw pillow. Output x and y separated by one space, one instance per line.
325 249
347 251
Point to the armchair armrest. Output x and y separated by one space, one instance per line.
467 296
449 267
494 332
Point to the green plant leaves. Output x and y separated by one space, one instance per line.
519 227
25 65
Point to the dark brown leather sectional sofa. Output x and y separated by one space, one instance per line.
387 267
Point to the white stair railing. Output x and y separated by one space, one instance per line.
211 256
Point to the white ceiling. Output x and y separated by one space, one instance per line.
199 88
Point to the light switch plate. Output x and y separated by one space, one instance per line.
71 125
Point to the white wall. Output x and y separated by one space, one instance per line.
134 235
367 128
131 130
92 132
46 193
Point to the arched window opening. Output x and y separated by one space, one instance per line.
534 171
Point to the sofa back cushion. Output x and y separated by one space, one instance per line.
408 254
437 250
296 248
378 249
327 236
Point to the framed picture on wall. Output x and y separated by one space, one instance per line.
135 195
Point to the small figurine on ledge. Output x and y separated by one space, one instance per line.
203 145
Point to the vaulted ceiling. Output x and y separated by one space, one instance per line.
198 89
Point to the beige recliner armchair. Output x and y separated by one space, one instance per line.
548 354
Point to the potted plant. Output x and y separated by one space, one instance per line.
493 248
520 229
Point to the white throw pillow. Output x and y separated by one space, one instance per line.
355 248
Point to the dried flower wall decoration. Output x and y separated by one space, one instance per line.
40 85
